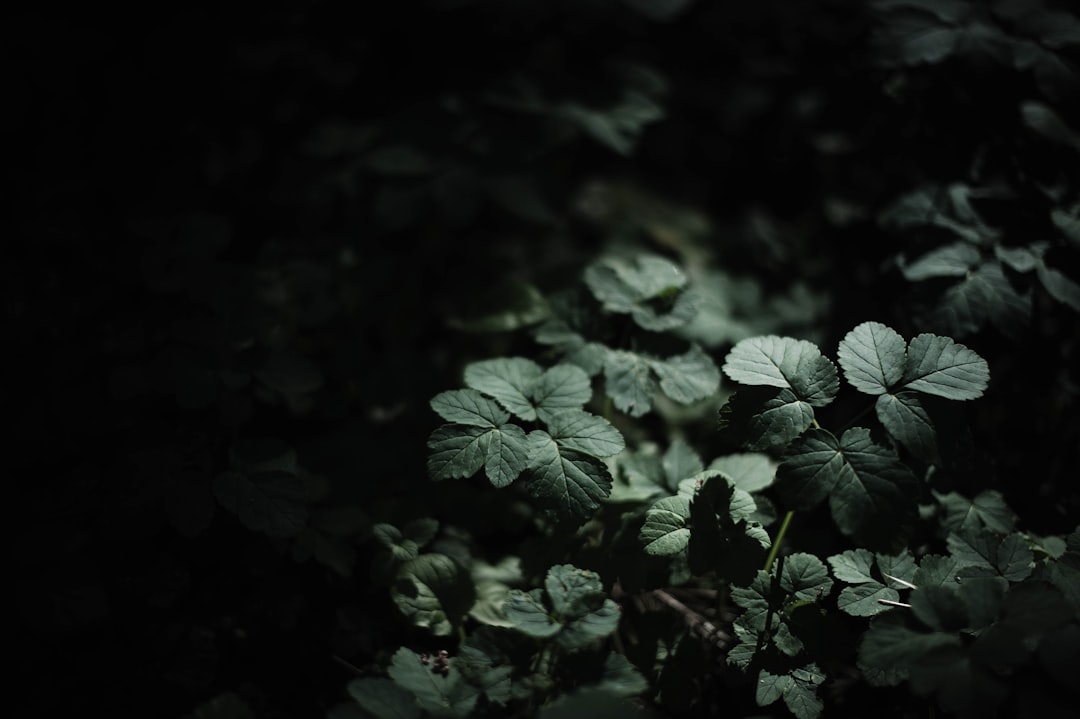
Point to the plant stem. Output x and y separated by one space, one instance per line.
779 538
859 416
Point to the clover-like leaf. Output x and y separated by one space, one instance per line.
528 615
797 688
457 451
805 577
274 503
679 462
766 417
468 406
584 432
905 418
433 592
853 566
434 692
952 260
871 493
629 382
562 387
750 471
872 357
650 289
1009 556
688 377
665 531
510 380
572 482
484 664
865 600
987 509
983 295
786 363
507 455
942 367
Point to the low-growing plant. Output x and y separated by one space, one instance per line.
666 579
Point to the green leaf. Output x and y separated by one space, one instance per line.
441 695
801 696
754 601
588 702
383 699
936 571
890 646
571 590
863 600
484 665
562 387
529 615
274 502
457 451
905 418
1061 287
508 454
578 430
750 471
665 531
940 608
433 592
872 357
573 483
680 461
853 566
942 367
771 687
901 566
583 631
629 382
987 509
805 576
871 493
467 406
984 294
1011 557
952 260
688 377
621 678
641 287
765 417
786 363
510 380
391 537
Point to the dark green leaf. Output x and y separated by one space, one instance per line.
941 608
665 531
629 382
751 471
510 380
467 406
987 509
951 260
562 387
805 576
872 357
764 417
507 456
578 430
852 566
783 362
621 678
528 614
942 367
863 600
689 377
433 592
574 484
680 461
905 418
441 695
457 451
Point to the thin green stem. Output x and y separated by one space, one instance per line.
609 408
779 538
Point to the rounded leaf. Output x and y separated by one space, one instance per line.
872 357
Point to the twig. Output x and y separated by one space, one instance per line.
707 629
